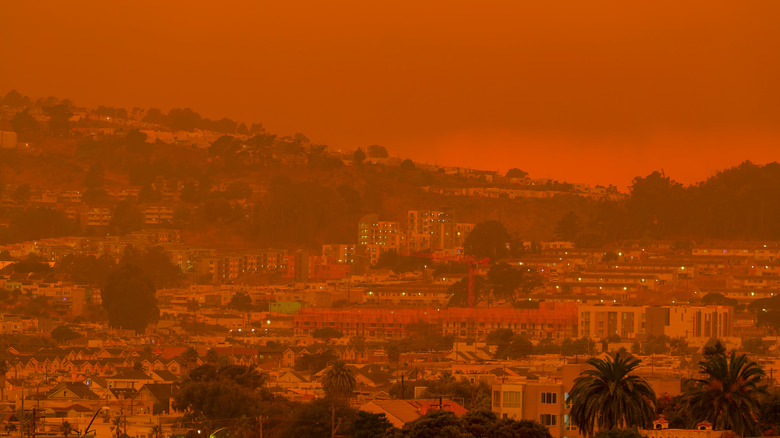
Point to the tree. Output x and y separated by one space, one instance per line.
59 118
408 164
516 173
155 263
22 193
506 280
479 423
713 347
326 333
316 419
214 394
154 115
518 346
241 301
63 334
609 396
183 119
338 381
125 218
369 425
66 428
377 151
436 423
728 395
95 177
460 290
718 299
487 239
359 156
25 124
14 99
190 358
117 424
212 357
129 299
568 228
393 353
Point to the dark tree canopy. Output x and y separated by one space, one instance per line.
129 299
377 151
488 239
63 334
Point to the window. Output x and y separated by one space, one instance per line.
548 419
496 399
566 401
513 399
549 397
567 423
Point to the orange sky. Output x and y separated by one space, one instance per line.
588 91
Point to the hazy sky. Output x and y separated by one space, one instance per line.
581 90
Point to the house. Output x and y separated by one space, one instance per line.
129 378
155 398
71 391
400 412
292 379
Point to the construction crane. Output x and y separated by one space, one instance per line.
472 262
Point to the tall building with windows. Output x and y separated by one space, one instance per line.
541 402
372 231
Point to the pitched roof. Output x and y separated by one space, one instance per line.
160 391
79 389
165 375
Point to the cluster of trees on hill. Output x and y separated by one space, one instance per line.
737 203
185 119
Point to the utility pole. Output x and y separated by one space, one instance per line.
334 426
34 420
260 420
21 420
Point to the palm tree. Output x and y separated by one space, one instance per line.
609 396
156 431
713 348
728 394
338 381
66 428
116 425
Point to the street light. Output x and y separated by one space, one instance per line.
86 429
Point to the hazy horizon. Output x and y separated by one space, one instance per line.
595 93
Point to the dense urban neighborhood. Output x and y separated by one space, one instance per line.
166 275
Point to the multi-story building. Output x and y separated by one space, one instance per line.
599 321
691 321
372 231
158 214
538 401
341 253
602 321
437 224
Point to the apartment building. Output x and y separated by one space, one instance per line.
599 322
629 322
544 402
341 253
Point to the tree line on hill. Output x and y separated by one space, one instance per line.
736 203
